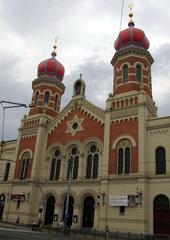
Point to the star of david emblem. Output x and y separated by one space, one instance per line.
75 125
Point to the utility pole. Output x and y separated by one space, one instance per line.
5 105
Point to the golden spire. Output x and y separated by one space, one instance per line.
54 54
131 22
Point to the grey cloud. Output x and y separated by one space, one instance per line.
162 61
97 75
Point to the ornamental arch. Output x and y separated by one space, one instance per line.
161 211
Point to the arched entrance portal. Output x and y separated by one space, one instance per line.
2 204
70 211
88 212
161 215
49 213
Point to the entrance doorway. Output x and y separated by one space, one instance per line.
161 215
2 205
49 213
88 212
70 211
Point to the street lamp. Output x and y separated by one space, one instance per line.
138 197
66 215
101 195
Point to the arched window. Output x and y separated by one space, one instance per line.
160 160
36 98
56 103
55 165
73 163
124 157
46 98
138 72
78 88
161 215
7 168
92 162
24 166
125 73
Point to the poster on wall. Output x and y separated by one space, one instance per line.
131 200
117 201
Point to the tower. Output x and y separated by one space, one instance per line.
48 87
46 100
132 69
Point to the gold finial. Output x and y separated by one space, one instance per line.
131 22
54 54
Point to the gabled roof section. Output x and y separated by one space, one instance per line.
83 105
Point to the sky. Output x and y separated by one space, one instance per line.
86 31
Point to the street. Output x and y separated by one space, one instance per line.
23 234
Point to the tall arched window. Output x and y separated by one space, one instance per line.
125 73
78 88
138 73
55 165
56 103
161 215
7 168
160 160
73 163
24 165
36 98
124 157
46 98
92 162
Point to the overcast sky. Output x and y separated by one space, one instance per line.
86 31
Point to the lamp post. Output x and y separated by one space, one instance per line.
101 194
66 215
138 197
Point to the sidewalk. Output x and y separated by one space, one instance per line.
13 226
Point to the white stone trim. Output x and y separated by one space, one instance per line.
129 137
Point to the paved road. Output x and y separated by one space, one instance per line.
22 234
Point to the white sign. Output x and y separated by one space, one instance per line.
118 201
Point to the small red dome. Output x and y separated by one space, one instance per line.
51 67
131 37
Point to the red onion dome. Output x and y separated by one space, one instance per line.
131 37
51 67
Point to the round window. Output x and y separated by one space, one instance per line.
74 151
93 148
75 125
57 153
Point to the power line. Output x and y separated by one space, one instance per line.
121 16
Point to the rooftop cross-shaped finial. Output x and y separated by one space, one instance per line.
131 22
80 76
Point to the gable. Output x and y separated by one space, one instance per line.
77 122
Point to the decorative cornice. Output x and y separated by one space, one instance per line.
47 80
159 132
123 113
131 50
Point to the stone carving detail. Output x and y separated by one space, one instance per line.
75 125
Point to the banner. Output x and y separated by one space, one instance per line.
118 201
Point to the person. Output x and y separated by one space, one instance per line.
107 232
34 226
61 225
40 223
17 220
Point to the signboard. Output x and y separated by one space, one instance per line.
18 197
118 201
126 201
131 200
